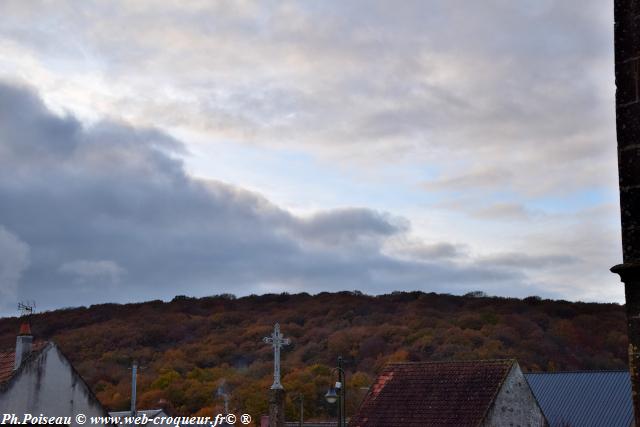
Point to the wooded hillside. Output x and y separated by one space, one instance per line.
189 347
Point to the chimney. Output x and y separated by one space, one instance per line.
23 344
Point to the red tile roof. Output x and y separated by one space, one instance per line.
6 365
432 394
7 359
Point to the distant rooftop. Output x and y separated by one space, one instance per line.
433 393
150 413
584 398
311 424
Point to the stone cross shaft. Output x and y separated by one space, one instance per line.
277 341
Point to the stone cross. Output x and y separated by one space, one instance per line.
277 340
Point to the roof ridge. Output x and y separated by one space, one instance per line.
596 371
451 361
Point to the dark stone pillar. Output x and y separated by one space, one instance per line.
627 68
276 407
630 275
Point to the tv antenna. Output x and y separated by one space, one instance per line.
26 308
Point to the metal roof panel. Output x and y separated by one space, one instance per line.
584 399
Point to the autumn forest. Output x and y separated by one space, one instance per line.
190 348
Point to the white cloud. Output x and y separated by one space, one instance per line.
87 271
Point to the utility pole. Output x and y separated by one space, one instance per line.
134 378
301 411
301 399
627 71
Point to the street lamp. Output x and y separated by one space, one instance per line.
300 398
332 396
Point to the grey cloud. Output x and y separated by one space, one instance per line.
14 259
484 179
347 226
33 128
480 209
525 261
500 211
489 97
438 251
116 204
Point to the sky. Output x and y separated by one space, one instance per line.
152 149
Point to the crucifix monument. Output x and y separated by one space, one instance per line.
277 393
277 340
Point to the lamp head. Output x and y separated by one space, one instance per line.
331 395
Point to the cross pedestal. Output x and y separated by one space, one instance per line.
276 407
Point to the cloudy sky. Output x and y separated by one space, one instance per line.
149 149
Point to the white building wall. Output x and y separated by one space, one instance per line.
48 385
515 404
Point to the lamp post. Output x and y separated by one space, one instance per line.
332 396
300 399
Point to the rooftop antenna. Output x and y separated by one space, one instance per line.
26 308
24 340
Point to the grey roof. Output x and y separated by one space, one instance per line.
584 399
151 413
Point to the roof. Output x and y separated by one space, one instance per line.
585 399
8 374
432 393
8 358
311 424
150 413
